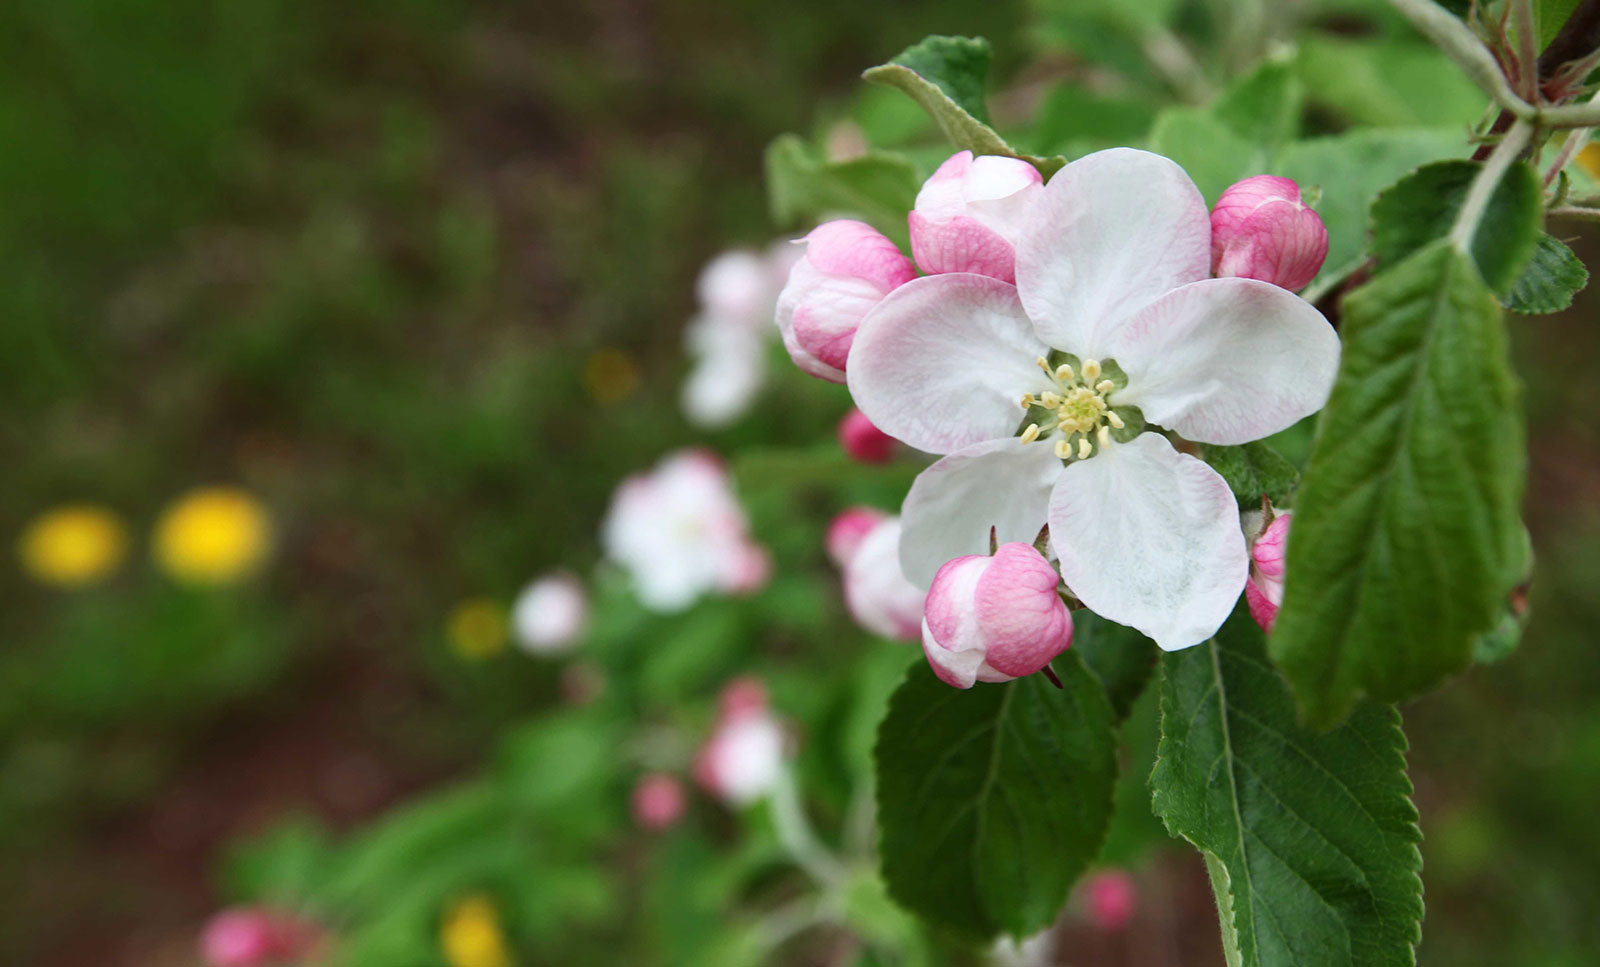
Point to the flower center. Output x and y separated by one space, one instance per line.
1078 413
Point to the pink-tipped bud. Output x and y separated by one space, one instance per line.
550 614
846 531
968 215
1263 590
1113 899
742 760
847 269
255 937
876 590
1261 229
863 441
658 801
992 619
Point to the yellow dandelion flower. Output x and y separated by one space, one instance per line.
1589 159
610 375
471 936
212 535
476 628
73 545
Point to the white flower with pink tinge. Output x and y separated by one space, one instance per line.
550 614
727 339
876 591
1039 395
680 533
742 761
969 214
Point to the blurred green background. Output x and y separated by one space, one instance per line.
358 260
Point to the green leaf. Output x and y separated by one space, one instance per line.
1387 83
1238 136
946 76
878 188
1551 15
1119 656
1264 106
1548 280
992 800
1406 535
1253 470
1423 206
1311 837
1351 169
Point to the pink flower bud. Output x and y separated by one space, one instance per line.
747 568
863 441
1260 229
876 590
847 530
847 269
658 801
1113 900
967 215
1263 590
550 614
992 619
742 760
255 937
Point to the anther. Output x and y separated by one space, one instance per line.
1051 400
1083 448
1091 370
1028 400
1104 386
1031 433
1044 364
1064 373
1115 420
1063 450
1104 436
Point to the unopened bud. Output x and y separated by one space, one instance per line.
1261 229
658 801
863 441
992 619
968 215
847 269
1263 590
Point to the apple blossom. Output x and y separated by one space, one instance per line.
742 761
680 533
255 937
847 269
1114 327
994 618
969 214
862 441
847 529
727 339
1113 899
876 590
550 614
1260 229
1263 590
658 801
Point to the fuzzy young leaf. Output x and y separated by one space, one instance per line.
946 76
992 800
1406 537
1423 206
1253 471
1311 837
878 188
1549 280
1119 656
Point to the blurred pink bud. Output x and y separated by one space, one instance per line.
1261 229
742 696
742 759
847 269
1113 900
749 568
863 441
847 530
992 619
254 937
876 590
550 614
967 216
1263 590
658 801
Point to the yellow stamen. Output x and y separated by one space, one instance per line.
1104 436
1044 364
1104 386
1063 451
1083 448
1091 370
1031 433
1064 373
1052 400
1115 420
1028 400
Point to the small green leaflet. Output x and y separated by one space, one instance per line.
1310 837
946 75
1548 281
1407 537
878 188
1423 206
992 800
1253 471
1238 136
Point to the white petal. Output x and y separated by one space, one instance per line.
944 360
1111 231
1001 483
1227 360
1149 537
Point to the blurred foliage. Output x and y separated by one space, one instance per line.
358 260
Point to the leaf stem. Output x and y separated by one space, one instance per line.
795 833
1576 139
1461 45
1482 189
